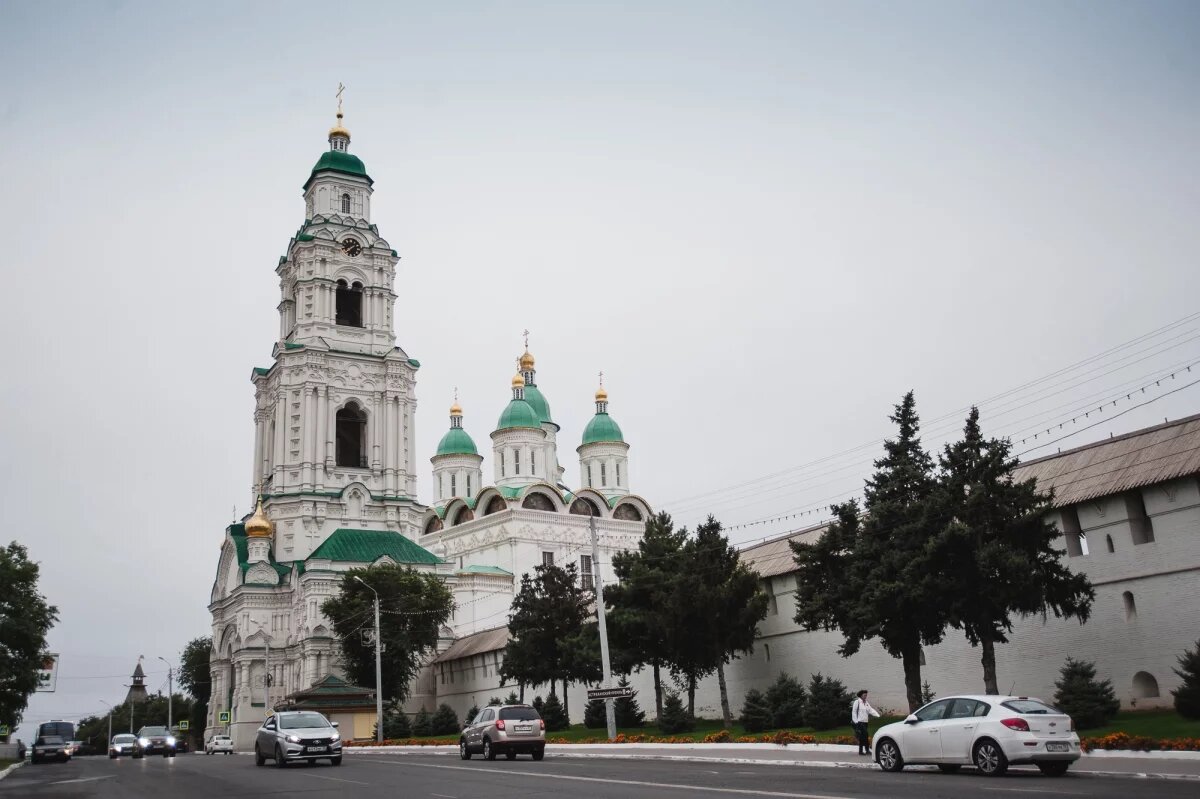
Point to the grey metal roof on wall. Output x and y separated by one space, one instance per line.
774 557
1143 457
475 644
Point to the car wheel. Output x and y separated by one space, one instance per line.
989 758
510 755
337 761
111 756
538 754
463 751
488 752
280 760
1055 768
259 759
888 755
949 768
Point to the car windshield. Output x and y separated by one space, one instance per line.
146 731
1031 707
519 714
298 721
51 740
124 739
221 738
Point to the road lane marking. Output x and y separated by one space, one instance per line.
1056 792
83 779
633 783
444 795
335 779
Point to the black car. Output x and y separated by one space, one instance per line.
155 740
51 747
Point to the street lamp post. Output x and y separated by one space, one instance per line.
170 691
110 712
378 669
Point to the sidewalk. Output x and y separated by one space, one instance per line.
1160 765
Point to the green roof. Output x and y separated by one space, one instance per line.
262 370
602 427
519 413
292 345
338 161
484 570
413 362
456 442
238 533
510 492
538 400
367 546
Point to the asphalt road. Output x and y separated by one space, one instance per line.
195 776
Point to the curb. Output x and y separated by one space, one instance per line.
11 769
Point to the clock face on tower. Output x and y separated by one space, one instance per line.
351 247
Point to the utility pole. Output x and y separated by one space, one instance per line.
606 667
110 712
378 669
170 691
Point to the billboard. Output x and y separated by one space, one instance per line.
48 673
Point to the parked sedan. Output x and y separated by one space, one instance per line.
122 744
218 743
297 735
50 747
990 732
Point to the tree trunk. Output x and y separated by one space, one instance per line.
522 686
726 717
692 695
912 675
657 692
989 665
566 705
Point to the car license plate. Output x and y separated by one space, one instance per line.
315 748
1057 747
524 728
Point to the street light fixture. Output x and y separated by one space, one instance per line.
378 669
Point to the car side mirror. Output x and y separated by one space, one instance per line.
911 719
334 723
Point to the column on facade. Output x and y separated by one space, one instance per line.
257 471
393 445
280 437
376 430
385 424
410 478
305 439
322 424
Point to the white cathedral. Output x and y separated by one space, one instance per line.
335 473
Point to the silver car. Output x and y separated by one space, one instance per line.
297 735
510 729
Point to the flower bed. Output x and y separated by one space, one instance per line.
406 742
1139 743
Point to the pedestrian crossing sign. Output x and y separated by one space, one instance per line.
223 717
183 725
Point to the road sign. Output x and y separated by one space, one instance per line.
3 730
47 675
222 716
183 725
609 693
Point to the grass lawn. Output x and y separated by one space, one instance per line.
1150 723
707 727
5 763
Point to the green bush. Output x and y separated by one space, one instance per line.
828 704
674 717
786 699
594 717
537 704
511 699
627 710
927 694
1089 702
554 715
1187 695
395 723
756 712
422 725
471 714
495 700
445 721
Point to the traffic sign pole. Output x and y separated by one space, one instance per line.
609 714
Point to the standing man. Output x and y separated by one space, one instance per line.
860 712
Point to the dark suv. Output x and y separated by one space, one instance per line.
511 729
155 740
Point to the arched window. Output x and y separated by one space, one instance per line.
584 507
536 501
628 512
433 526
345 203
495 505
349 304
352 436
1130 606
1144 685
1109 542
464 515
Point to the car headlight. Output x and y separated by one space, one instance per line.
335 738
170 740
144 741
293 739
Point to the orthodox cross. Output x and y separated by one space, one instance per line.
602 378
526 334
341 89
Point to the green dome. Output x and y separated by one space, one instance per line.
519 413
538 400
456 442
602 428
338 161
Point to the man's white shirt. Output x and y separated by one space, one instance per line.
859 711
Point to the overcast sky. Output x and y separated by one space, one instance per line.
763 221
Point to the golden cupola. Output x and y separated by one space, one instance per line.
258 525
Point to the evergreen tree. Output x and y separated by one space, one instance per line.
25 620
1187 695
1089 702
756 712
637 604
471 714
538 704
554 715
594 715
511 699
422 725
1000 546
194 677
927 694
828 704
675 717
396 725
786 698
880 574
627 710
445 721
408 637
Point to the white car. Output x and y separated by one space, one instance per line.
218 743
990 732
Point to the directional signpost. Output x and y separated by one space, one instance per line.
609 693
